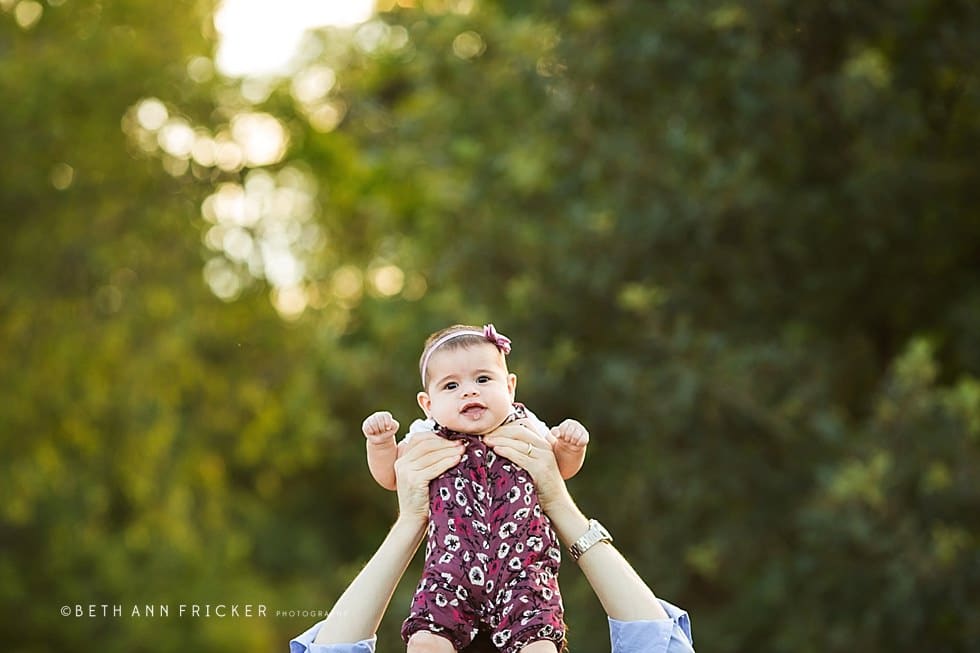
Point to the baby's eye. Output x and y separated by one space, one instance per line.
452 385
483 378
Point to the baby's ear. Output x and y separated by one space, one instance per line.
424 402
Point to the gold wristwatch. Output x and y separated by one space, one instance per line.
596 533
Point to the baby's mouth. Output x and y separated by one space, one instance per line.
473 410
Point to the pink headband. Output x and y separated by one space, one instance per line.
500 341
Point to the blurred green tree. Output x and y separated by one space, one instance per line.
151 434
716 228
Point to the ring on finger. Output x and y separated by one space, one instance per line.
530 448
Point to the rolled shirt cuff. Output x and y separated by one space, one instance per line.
671 635
304 644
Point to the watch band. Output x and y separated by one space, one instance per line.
596 533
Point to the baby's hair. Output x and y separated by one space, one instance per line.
463 341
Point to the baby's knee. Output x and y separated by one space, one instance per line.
426 642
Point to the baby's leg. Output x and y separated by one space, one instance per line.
540 646
426 642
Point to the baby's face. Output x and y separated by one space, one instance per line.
469 389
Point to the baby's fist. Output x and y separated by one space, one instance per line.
380 427
571 433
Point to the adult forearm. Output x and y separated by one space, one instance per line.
623 594
358 612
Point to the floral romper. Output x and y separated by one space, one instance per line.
491 556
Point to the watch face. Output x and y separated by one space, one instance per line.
596 533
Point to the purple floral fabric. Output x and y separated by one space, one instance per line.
491 556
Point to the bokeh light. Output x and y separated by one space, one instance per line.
264 229
28 13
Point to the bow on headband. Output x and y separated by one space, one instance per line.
501 341
498 340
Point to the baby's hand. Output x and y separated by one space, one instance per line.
570 435
380 427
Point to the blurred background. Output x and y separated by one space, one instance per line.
740 241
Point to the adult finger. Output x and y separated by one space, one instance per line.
512 433
527 451
426 457
515 453
430 464
421 443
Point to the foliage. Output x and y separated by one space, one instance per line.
737 240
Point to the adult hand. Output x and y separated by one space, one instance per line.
623 594
426 456
517 442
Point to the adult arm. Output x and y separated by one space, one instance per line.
640 620
357 614
359 610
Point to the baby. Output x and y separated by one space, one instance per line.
491 557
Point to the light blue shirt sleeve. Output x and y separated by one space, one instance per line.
304 644
671 635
